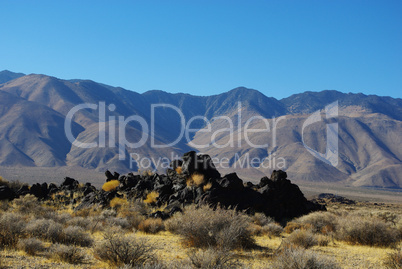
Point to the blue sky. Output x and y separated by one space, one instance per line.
208 47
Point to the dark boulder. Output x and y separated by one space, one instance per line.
231 181
201 164
88 188
159 215
284 200
24 190
40 191
69 184
278 175
53 188
6 193
109 176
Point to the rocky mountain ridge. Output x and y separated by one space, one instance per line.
33 110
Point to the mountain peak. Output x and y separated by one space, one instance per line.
6 76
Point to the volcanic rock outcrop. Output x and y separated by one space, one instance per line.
192 180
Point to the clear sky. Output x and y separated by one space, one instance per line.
208 47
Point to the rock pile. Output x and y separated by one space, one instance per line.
192 180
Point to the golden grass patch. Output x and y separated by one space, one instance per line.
117 202
151 197
110 185
178 170
195 179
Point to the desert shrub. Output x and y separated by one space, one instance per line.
151 226
69 254
4 206
110 185
206 227
293 226
12 226
195 179
74 235
388 217
272 229
152 197
118 202
295 258
399 227
55 233
303 238
323 240
173 224
62 218
121 222
261 219
152 265
179 170
44 228
207 186
119 249
27 204
212 259
134 212
82 222
319 222
108 213
394 260
367 231
94 210
30 245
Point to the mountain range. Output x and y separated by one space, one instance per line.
34 109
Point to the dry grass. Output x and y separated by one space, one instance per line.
302 238
295 258
119 249
152 197
195 179
207 187
118 202
170 248
12 227
69 254
178 170
151 226
319 222
394 260
30 246
367 231
204 227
